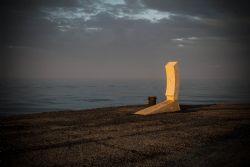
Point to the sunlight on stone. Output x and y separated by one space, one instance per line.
171 104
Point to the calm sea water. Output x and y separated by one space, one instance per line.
26 96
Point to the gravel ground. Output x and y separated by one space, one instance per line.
211 135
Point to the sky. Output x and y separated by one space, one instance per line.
124 39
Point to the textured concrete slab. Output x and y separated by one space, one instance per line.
165 106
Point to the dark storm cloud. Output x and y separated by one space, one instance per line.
208 8
69 38
230 12
232 17
31 4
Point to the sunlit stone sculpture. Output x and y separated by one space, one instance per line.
171 104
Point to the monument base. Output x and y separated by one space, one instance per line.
165 106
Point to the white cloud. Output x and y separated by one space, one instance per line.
93 29
181 41
185 40
117 9
193 38
64 27
115 2
178 39
151 15
59 14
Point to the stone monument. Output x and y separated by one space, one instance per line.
171 104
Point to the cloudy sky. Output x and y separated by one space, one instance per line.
124 39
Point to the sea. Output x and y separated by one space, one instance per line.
34 96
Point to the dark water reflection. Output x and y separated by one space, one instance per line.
26 96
